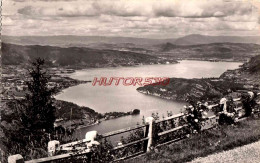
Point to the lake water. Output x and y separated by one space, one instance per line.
125 98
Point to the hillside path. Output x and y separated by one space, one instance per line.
246 154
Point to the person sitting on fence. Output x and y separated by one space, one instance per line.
202 109
245 98
193 118
253 103
226 114
248 100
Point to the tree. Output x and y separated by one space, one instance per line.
37 112
32 119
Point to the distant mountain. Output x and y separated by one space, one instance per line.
202 39
83 41
77 57
124 54
69 40
213 50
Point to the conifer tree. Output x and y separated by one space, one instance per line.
33 116
36 111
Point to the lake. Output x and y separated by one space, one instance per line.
125 98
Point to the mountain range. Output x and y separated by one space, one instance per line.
74 57
203 39
127 54
236 51
101 51
69 40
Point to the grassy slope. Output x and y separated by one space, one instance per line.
211 141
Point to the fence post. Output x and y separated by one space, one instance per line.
15 159
52 145
90 138
149 133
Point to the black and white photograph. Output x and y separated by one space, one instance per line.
131 81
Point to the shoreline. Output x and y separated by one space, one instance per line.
212 60
143 64
77 126
89 68
82 116
124 66
236 79
152 94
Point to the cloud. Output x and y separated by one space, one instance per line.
6 21
28 10
218 14
241 18
201 9
125 8
65 10
43 0
136 18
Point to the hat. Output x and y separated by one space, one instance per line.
223 100
251 94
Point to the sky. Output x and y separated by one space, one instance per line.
131 18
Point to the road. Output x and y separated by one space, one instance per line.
246 154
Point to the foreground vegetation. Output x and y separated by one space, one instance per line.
28 124
208 142
28 130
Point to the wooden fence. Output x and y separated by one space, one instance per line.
141 138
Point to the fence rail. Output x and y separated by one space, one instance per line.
171 117
171 130
74 143
128 144
122 131
58 157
